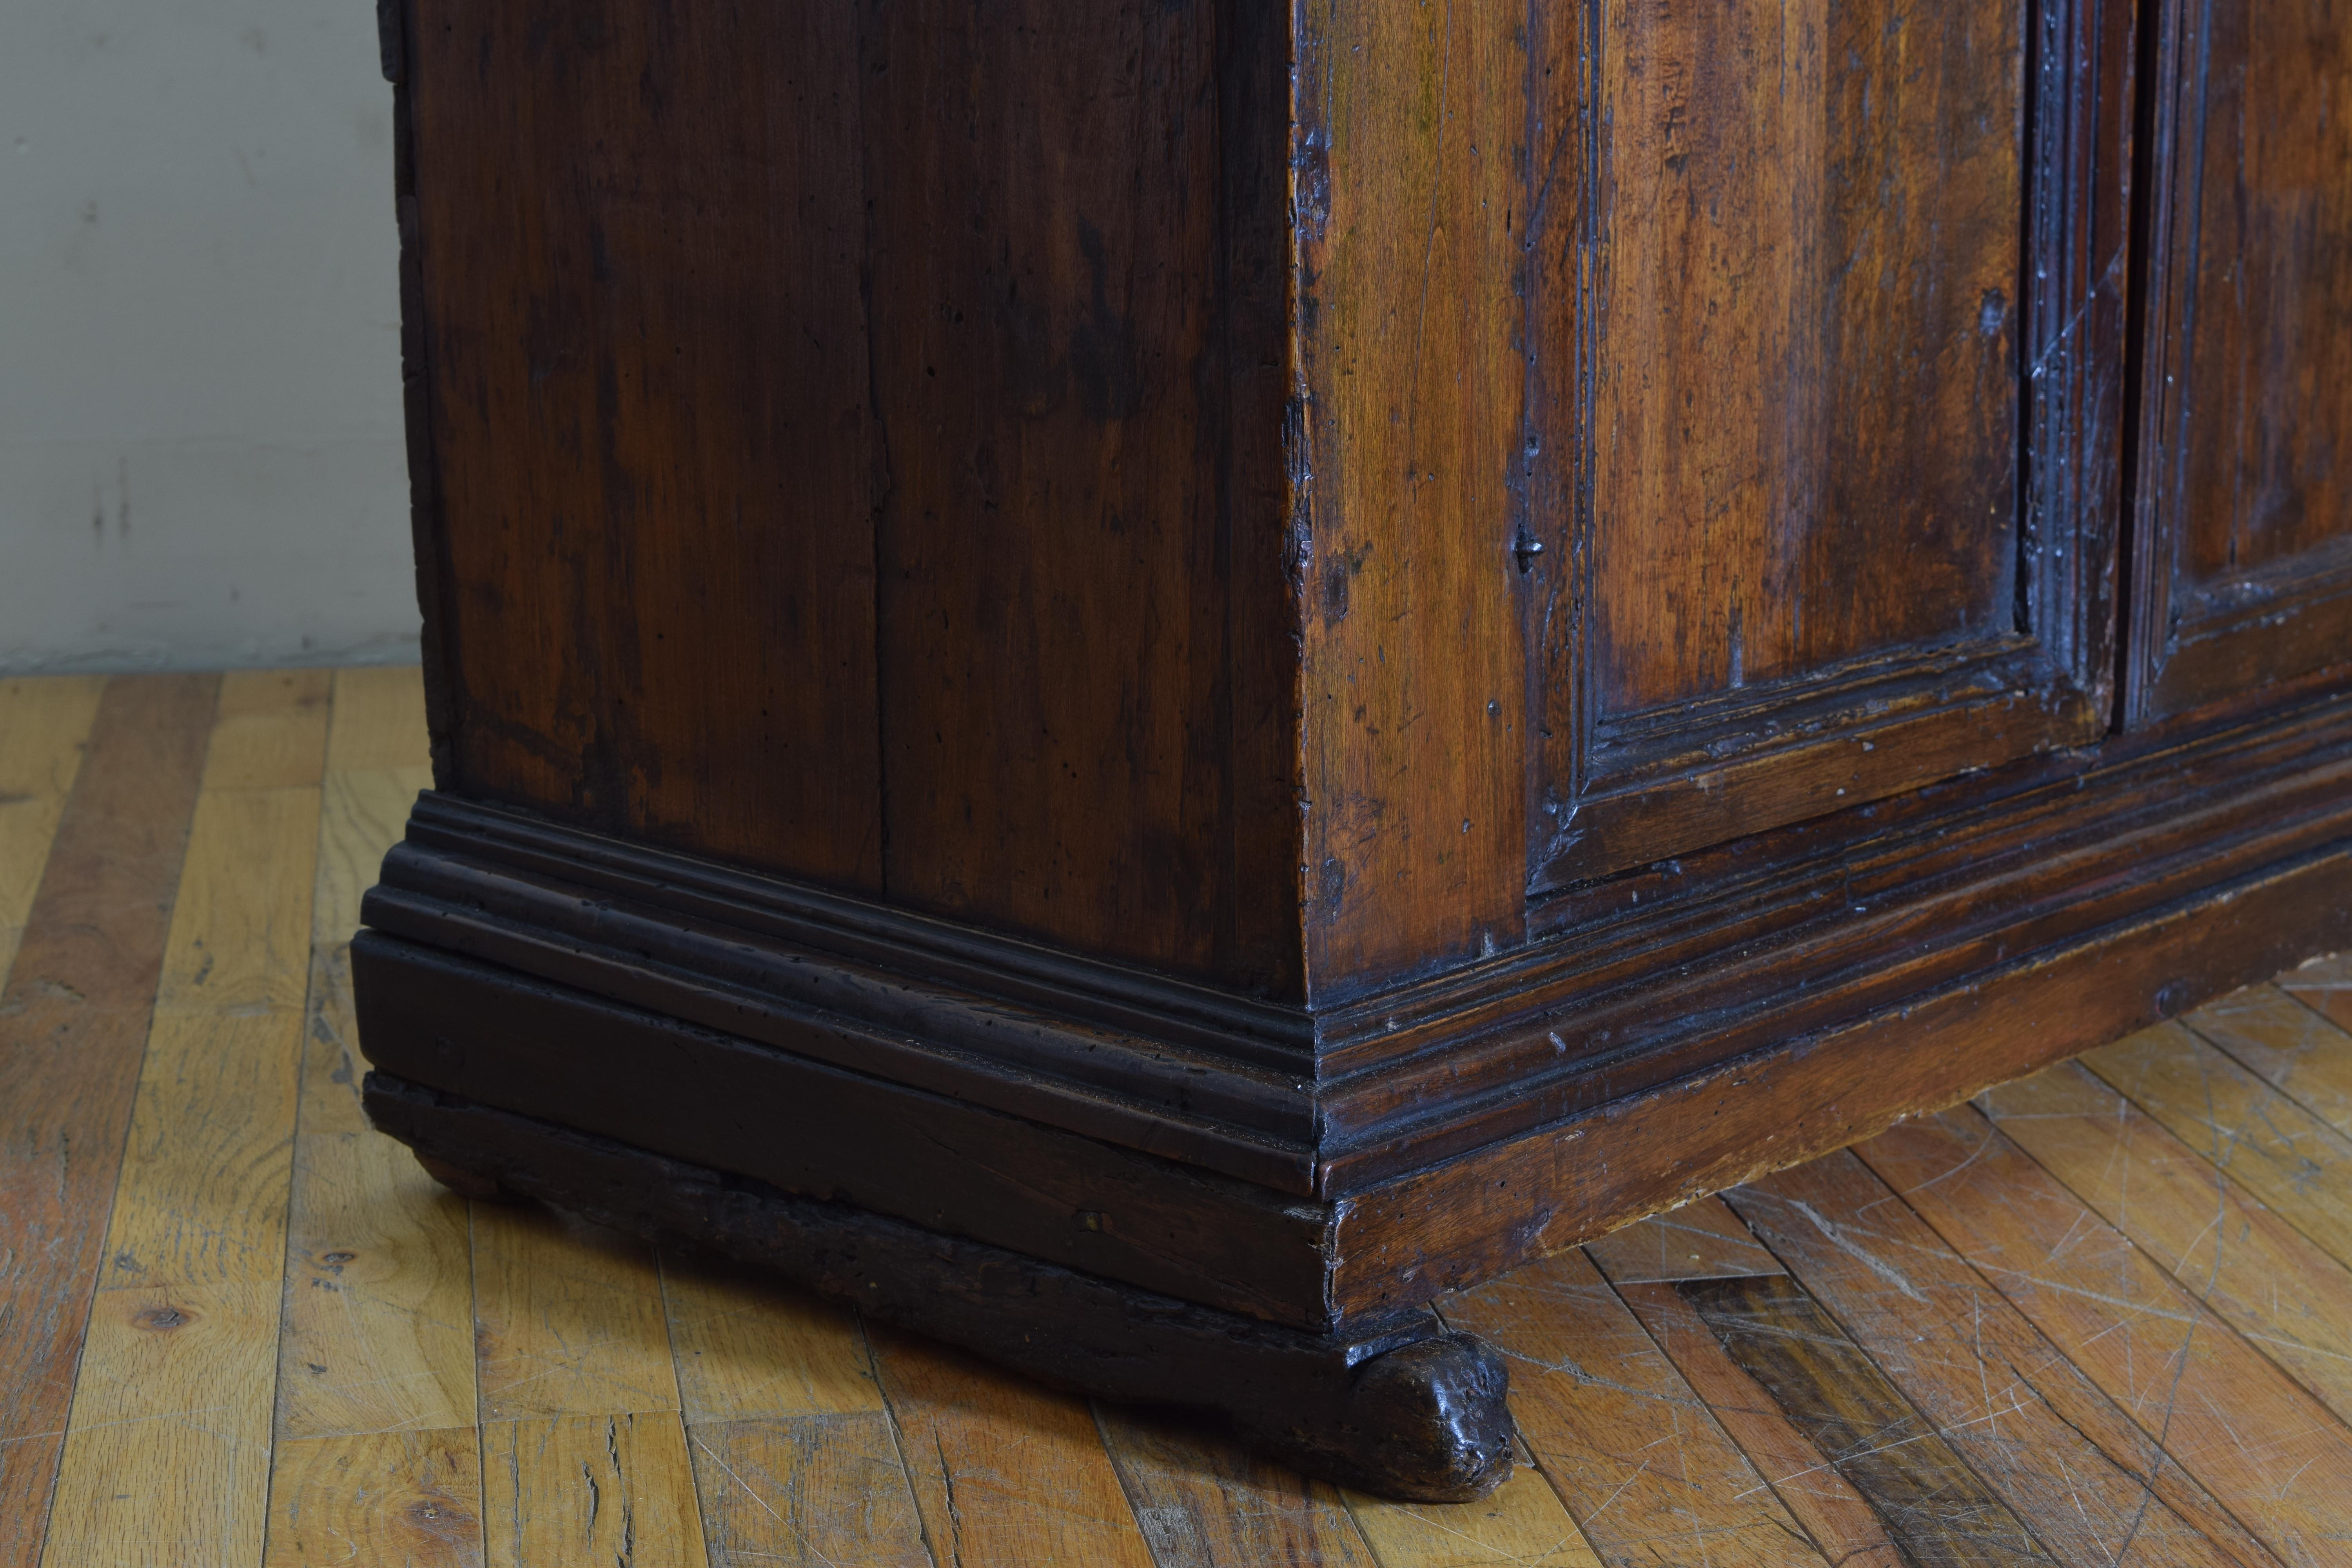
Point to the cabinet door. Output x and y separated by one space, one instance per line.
1826 324
2242 547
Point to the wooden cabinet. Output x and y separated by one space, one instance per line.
1143 684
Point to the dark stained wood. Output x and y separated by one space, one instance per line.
631 309
1408 1410
1483 1213
1929 1498
1077 325
716 1100
73 1028
2242 553
1408 158
1767 596
1830 196
1294 654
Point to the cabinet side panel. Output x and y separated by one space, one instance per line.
1087 675
1410 167
639 232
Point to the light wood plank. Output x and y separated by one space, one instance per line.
1203 1501
1522 1524
73 1027
2288 1045
568 1319
2324 984
2291 1300
167 1453
1004 1470
378 1330
376 1353
751 1346
45 723
202 1196
398 1500
1645 1471
241 926
203 1189
379 720
200 1202
270 730
2272 1147
1703 1240
810 1491
2086 1479
45 726
361 815
2266 1450
577 1490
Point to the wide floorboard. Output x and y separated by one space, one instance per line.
2100 1316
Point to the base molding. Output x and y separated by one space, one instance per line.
1403 1409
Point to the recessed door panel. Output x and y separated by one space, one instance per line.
1825 409
2243 544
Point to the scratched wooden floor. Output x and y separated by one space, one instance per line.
2101 1316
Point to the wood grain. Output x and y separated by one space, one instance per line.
636 423
201 1195
379 1329
589 1489
241 926
2082 1476
1928 1498
2325 985
810 1491
45 726
1646 1472
1824 1502
198 1229
2291 1047
1203 1501
1645 1261
1521 1524
166 1460
1410 125
2245 579
1703 1240
2272 1147
2269 1452
1829 197
2291 1300
360 819
1004 1471
1082 387
405 1499
269 730
568 1319
378 722
73 1022
747 1345
2272 152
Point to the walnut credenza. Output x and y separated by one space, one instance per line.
1143 683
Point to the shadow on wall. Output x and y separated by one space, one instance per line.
201 460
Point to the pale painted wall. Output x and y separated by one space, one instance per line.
200 444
